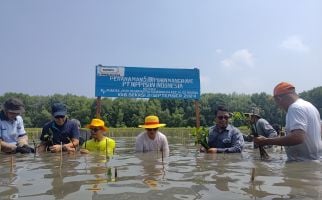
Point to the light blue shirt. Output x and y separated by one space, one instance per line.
11 130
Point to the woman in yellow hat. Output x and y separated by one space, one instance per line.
151 139
98 141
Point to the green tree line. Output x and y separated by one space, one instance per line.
125 112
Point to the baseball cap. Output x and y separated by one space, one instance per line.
283 88
58 109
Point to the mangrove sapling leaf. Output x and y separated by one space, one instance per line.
201 137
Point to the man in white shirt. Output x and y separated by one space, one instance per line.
151 139
303 128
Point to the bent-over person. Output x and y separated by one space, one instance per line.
13 137
60 133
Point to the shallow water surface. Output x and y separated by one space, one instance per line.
185 174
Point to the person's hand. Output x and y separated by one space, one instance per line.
55 148
22 141
40 148
25 149
84 151
202 149
260 140
70 149
212 150
11 148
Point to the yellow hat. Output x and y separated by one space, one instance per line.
97 123
151 122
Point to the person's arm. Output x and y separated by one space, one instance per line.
210 140
139 144
296 136
113 145
211 150
73 143
71 146
7 148
165 146
73 139
268 130
46 139
84 150
41 147
22 140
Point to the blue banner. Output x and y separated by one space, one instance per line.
141 82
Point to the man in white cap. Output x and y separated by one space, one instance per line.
151 139
13 137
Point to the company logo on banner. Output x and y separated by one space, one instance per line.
141 82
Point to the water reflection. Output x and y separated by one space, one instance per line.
59 171
153 167
184 174
303 179
8 177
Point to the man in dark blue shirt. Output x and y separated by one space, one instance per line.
224 137
60 133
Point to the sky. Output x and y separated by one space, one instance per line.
240 46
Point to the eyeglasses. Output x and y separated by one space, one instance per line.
94 130
223 117
59 116
151 129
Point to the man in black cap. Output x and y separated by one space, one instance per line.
13 137
60 134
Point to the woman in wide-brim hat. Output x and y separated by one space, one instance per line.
98 142
151 139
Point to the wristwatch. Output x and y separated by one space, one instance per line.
64 148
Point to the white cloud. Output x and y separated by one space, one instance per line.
294 43
239 59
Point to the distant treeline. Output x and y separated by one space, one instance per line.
124 112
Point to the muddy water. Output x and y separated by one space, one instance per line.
185 174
